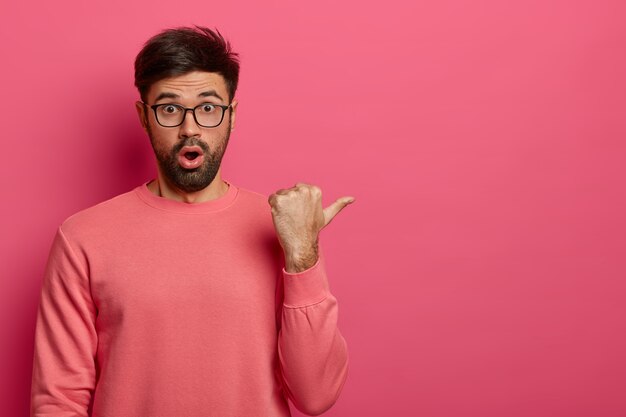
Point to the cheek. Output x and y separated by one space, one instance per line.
214 137
163 141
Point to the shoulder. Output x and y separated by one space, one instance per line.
253 199
254 211
101 214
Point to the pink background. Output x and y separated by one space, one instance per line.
480 271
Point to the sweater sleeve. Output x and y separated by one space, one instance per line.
313 354
64 373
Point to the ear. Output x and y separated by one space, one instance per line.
143 117
233 114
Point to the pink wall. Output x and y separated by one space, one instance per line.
480 271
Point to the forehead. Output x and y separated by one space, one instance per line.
190 85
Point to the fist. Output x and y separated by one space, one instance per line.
298 217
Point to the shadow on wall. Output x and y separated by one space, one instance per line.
130 161
126 157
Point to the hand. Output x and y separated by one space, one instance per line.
298 218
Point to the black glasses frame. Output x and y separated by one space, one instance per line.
154 108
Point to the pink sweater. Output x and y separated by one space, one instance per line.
152 307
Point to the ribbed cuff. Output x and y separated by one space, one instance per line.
306 287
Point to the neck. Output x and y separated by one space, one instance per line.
163 188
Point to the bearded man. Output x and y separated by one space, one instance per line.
188 295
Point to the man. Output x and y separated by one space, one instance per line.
189 296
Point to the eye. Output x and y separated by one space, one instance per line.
169 109
207 108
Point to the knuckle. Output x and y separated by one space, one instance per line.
274 199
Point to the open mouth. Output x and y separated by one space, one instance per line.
190 157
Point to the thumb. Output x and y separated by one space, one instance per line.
331 211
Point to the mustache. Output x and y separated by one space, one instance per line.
190 142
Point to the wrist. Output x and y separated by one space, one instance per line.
301 260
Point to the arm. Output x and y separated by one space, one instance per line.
64 371
313 353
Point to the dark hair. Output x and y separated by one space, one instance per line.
181 50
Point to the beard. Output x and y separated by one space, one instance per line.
190 180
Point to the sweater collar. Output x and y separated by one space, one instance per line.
175 206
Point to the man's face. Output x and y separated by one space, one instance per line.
170 144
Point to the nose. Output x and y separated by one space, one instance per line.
189 127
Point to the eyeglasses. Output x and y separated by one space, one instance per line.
205 114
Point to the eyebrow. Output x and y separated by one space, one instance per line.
208 93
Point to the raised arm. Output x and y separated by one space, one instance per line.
313 354
64 374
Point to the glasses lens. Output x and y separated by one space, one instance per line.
209 115
170 114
